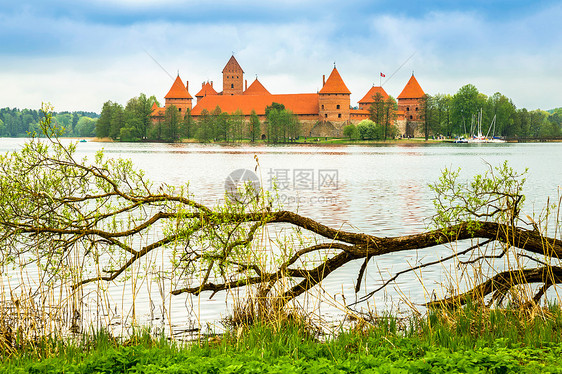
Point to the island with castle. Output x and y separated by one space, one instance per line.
321 114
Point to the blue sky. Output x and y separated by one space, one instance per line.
78 55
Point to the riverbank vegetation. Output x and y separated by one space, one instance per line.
79 222
471 339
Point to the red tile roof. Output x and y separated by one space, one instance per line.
412 90
297 103
156 111
335 84
206 90
256 88
369 96
178 91
232 64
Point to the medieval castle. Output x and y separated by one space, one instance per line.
324 113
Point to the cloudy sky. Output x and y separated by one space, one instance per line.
78 55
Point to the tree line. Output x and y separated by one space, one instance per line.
20 123
134 122
457 115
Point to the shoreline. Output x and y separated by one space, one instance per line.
330 142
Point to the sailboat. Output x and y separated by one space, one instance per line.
480 138
494 139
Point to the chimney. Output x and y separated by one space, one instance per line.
323 79
202 84
246 85
211 83
187 85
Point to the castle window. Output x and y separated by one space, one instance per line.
411 117
339 114
338 106
322 106
407 109
326 115
416 109
232 86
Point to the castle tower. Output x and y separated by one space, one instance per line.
334 100
179 96
232 78
409 107
206 90
369 98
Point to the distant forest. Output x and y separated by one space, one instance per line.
19 123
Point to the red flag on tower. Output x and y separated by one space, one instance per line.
382 75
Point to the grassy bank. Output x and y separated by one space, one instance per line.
474 340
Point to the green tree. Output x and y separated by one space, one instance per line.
274 125
103 125
205 127
223 125
75 118
293 125
237 125
171 124
274 122
465 104
504 110
390 115
63 120
274 105
378 109
143 111
427 109
187 126
443 114
254 127
117 120
369 130
85 127
538 124
521 123
351 131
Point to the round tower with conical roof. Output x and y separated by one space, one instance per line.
334 100
409 108
179 96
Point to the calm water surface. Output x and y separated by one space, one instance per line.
381 190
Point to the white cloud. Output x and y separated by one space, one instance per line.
79 64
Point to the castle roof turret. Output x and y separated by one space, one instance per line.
334 84
206 90
232 65
412 90
256 88
178 91
369 96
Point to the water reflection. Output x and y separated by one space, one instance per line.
381 190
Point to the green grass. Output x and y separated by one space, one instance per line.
472 340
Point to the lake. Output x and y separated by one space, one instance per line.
381 190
